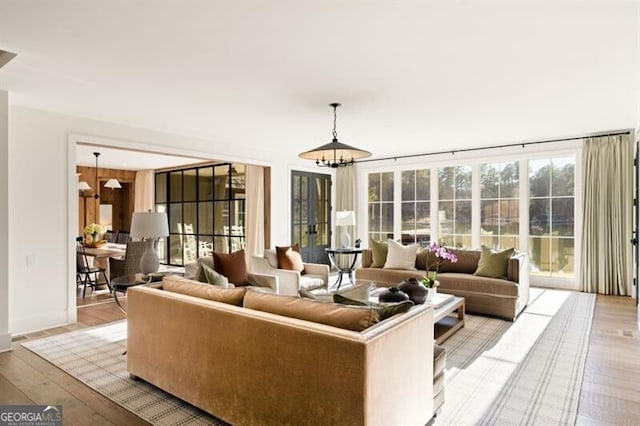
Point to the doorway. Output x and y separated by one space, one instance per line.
311 215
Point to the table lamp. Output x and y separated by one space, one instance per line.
345 218
149 226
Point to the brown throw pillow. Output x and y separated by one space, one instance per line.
233 266
494 265
289 258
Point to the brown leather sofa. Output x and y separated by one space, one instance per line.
249 367
504 298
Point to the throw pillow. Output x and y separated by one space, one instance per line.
200 276
401 257
378 253
385 310
233 266
214 278
289 258
493 265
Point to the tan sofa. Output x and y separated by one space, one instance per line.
504 298
249 367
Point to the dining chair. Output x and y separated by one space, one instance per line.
87 274
130 264
111 236
123 237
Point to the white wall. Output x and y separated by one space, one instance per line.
42 204
5 336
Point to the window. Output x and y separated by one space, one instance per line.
380 206
500 205
205 207
454 206
551 216
416 209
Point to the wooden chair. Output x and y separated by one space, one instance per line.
111 236
86 274
130 265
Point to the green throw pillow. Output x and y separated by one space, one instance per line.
379 251
385 310
214 278
493 265
200 277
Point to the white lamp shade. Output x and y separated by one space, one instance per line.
83 186
345 218
149 225
113 184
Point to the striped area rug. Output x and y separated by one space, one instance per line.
524 373
498 372
95 357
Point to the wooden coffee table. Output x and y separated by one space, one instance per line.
448 319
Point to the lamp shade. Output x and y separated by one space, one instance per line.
149 225
83 186
113 184
345 218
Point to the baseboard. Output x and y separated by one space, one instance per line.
5 342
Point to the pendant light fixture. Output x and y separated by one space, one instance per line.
334 154
111 183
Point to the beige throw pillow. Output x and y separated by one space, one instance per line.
401 257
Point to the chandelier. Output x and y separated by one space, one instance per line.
334 154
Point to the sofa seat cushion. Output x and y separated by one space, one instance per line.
176 284
454 283
310 282
356 318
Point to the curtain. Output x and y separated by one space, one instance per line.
144 191
254 211
346 195
607 176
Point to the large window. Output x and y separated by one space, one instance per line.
454 206
416 207
206 208
551 216
380 205
500 205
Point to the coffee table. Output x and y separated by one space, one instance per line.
448 319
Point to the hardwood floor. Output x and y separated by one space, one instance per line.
610 391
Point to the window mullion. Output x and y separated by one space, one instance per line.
475 206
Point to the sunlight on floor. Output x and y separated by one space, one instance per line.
109 333
494 367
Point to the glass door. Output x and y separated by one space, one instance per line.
311 215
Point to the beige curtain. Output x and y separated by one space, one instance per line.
144 191
346 196
607 177
254 208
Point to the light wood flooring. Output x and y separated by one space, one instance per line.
610 391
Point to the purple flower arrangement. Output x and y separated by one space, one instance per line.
442 255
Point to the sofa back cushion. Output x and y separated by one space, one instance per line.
467 261
176 284
354 318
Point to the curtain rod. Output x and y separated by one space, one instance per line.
510 145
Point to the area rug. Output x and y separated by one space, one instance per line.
95 357
524 373
500 373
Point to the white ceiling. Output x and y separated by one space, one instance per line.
413 76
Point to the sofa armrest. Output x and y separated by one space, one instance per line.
288 281
317 269
264 280
518 272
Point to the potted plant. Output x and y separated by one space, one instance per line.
441 255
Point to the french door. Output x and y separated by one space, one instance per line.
311 215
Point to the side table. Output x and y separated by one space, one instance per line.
354 252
